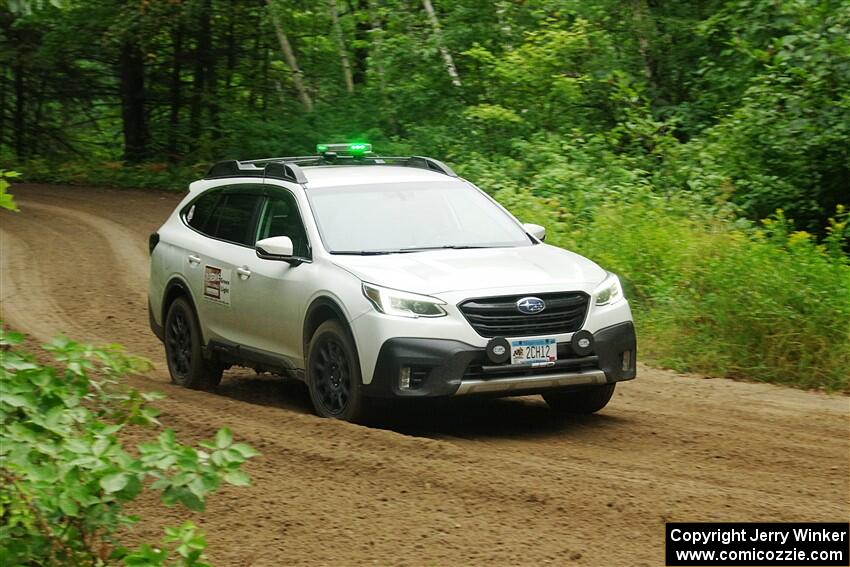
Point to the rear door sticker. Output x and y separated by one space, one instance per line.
217 284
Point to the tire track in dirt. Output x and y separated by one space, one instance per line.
62 270
497 482
24 299
125 246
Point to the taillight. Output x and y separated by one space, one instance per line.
153 240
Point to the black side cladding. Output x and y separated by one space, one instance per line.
153 240
610 344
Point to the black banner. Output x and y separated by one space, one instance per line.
759 544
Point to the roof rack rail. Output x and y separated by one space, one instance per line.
274 169
430 164
289 168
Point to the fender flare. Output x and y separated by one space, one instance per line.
174 284
322 302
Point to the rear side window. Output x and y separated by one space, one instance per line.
201 210
232 218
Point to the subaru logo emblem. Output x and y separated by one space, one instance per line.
530 305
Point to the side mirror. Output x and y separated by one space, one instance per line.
535 230
276 248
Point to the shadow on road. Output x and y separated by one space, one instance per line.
488 418
465 418
266 390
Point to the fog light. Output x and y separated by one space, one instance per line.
498 350
582 343
627 359
404 378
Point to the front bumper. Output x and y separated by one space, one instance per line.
443 367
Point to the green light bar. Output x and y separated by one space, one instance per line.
356 148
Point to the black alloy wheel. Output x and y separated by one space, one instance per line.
333 374
184 349
178 338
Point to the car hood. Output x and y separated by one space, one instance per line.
537 268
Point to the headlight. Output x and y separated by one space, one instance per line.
402 303
609 291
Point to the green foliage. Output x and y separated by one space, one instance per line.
549 75
742 101
113 174
184 543
766 303
66 474
785 142
7 201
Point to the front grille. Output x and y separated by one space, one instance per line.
499 317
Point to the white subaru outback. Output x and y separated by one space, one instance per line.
376 277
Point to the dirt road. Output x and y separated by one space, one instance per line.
495 482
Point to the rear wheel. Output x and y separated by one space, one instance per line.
588 400
183 349
333 374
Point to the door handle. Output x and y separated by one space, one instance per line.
243 272
193 259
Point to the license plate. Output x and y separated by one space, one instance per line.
541 351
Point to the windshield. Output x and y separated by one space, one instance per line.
411 217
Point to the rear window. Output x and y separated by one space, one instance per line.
201 210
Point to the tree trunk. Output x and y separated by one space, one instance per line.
643 23
176 94
438 35
340 46
132 79
202 54
378 50
38 114
263 52
231 44
360 49
2 105
3 89
19 124
289 57
258 53
211 91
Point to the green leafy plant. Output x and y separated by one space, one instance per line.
65 474
711 295
6 200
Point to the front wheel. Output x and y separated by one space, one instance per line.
585 401
333 374
184 351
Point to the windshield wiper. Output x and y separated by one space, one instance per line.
365 252
407 250
445 247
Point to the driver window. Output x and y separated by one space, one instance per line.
280 218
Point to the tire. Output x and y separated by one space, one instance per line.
184 351
333 374
585 401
